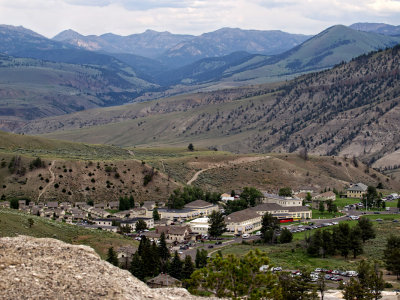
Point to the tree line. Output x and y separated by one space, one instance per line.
341 239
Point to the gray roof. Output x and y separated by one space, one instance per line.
134 220
198 204
53 204
358 187
242 215
184 210
268 207
298 208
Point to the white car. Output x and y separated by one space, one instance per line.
245 235
258 233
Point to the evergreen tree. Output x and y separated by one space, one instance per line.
251 195
398 203
321 207
140 225
392 255
366 228
131 202
156 215
285 192
327 245
137 266
175 268
217 224
353 290
188 267
308 197
269 225
201 258
371 279
191 147
297 287
315 244
341 237
286 236
355 241
112 257
163 253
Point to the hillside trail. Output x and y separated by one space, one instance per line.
235 162
53 177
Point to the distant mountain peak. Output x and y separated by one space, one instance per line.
67 35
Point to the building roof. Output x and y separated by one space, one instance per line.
298 208
100 205
198 204
163 279
52 204
172 210
242 215
268 207
328 194
173 229
113 203
358 187
277 197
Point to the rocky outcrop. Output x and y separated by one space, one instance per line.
32 268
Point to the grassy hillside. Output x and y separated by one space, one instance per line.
13 223
75 172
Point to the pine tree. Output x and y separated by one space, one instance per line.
268 226
286 236
163 253
156 215
366 228
131 202
188 267
137 266
201 258
112 257
392 255
140 226
355 242
217 224
175 268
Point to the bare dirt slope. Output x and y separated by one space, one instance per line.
32 268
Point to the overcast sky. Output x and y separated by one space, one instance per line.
124 17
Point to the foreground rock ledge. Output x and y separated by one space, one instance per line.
32 268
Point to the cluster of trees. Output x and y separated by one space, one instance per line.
151 259
37 163
341 239
331 207
217 224
126 203
271 233
180 197
372 198
248 198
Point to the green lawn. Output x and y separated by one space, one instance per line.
342 202
13 223
316 214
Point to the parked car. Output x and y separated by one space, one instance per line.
210 246
352 273
245 235
218 243
336 278
276 269
377 212
328 276
335 272
318 270
258 233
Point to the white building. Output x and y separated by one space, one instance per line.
200 225
283 201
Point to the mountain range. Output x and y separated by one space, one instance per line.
43 81
352 110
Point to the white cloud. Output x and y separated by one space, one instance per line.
125 17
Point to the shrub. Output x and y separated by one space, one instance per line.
56 185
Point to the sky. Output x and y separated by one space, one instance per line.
124 17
